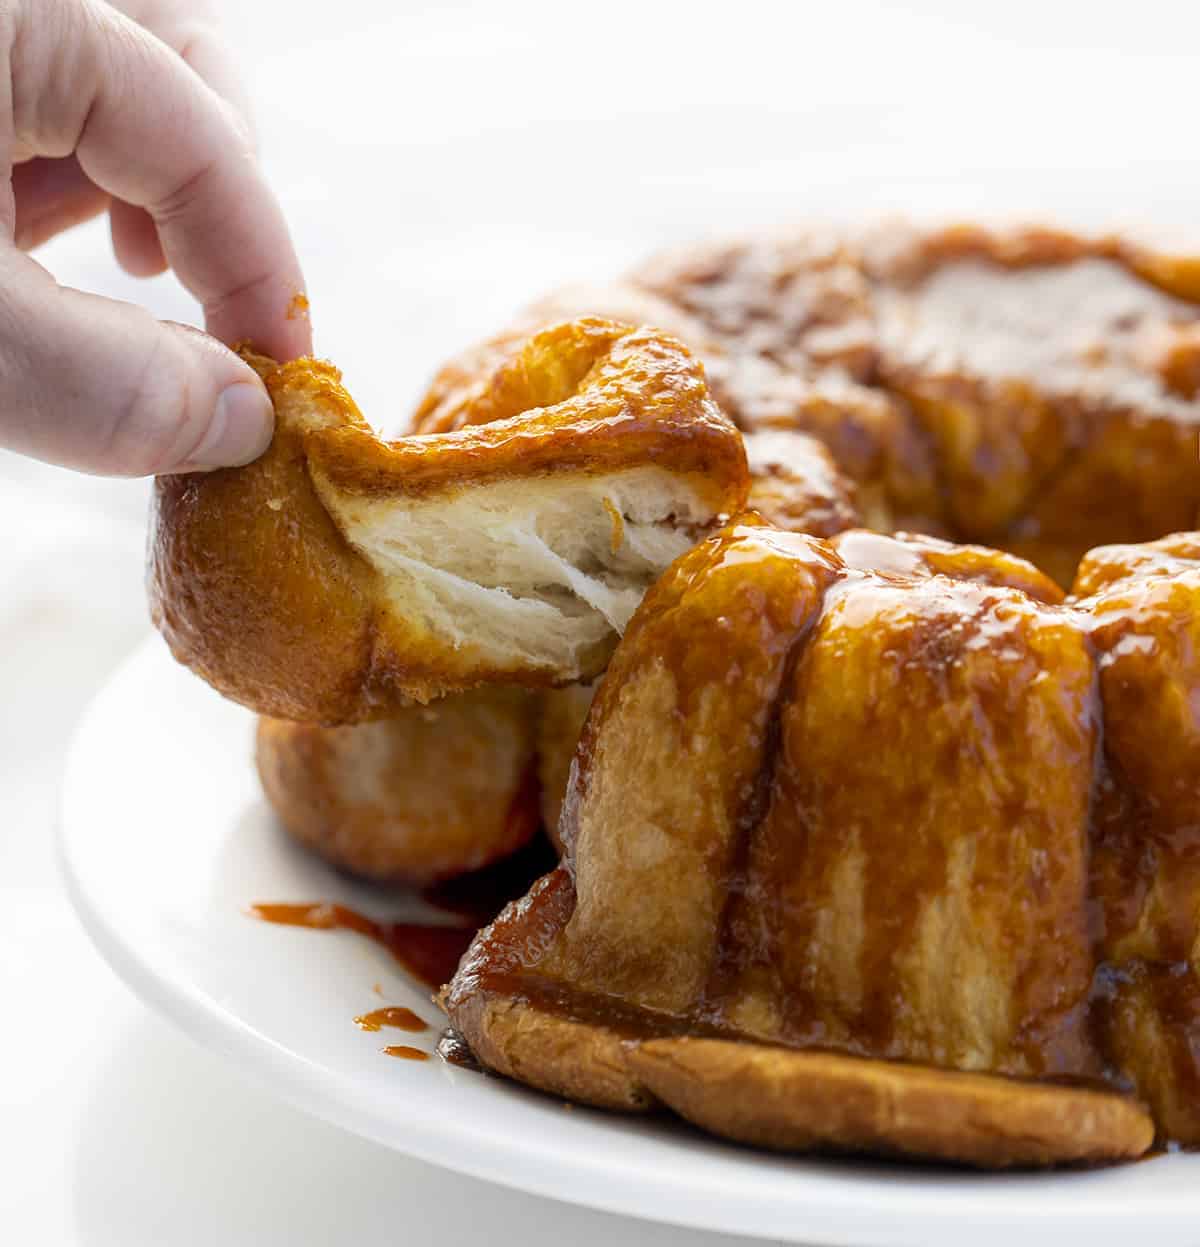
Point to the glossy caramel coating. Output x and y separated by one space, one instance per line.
250 580
849 797
791 318
795 484
255 585
1148 1015
1143 605
719 301
796 296
1145 631
1032 388
432 792
1054 373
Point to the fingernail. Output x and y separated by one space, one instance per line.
240 430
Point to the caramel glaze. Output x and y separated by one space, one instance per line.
405 1053
396 1016
1080 897
430 952
1028 387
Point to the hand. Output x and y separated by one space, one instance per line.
137 112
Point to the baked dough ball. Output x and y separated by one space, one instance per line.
1144 605
340 576
795 484
433 792
838 850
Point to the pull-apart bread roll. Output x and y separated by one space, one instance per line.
436 790
433 792
877 843
340 575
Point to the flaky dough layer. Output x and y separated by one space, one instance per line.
339 575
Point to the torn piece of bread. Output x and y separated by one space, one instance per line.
340 575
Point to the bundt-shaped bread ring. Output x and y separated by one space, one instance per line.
871 797
1057 378
432 792
1027 387
339 575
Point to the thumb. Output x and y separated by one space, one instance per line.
101 386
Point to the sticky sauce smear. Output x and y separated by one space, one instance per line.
428 952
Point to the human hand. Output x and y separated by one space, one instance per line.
137 112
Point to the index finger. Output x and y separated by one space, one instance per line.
148 130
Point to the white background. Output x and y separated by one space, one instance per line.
441 164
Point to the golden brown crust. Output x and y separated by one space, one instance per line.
804 1101
1053 373
568 384
1027 387
849 796
795 484
430 793
254 585
595 1052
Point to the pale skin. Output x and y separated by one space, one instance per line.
133 109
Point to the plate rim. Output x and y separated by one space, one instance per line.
532 1166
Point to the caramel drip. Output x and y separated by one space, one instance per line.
404 1052
518 939
396 1016
1176 995
428 952
735 948
1144 870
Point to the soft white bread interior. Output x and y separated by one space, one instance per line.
340 576
526 573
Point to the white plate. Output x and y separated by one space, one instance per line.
165 840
